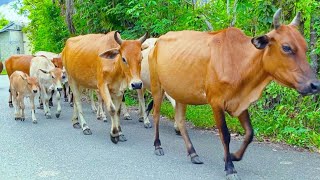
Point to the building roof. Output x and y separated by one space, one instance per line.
11 26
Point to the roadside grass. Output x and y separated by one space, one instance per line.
4 72
280 115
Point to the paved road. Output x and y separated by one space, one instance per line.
52 149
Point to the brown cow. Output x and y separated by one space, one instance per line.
17 62
21 86
103 62
229 71
1 66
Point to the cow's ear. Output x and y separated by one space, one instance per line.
110 54
44 71
144 46
260 42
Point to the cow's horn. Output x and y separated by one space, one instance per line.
276 19
144 37
118 39
296 20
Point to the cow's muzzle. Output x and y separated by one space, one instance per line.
59 89
311 87
35 91
136 85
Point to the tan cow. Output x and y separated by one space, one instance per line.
103 62
17 63
21 86
229 71
50 79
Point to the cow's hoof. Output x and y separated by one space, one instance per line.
76 125
48 116
159 151
65 99
40 107
23 118
233 176
147 125
35 122
128 117
235 158
115 140
105 120
99 118
87 131
71 104
57 115
122 138
196 160
17 118
10 105
177 132
140 119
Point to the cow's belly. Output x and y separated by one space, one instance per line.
185 84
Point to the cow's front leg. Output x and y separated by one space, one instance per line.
16 106
22 107
117 100
58 97
105 94
33 116
45 101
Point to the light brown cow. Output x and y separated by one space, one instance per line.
103 62
17 63
229 71
21 86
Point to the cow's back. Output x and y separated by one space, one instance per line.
43 63
81 57
18 62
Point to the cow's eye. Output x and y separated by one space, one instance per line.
286 49
52 77
124 60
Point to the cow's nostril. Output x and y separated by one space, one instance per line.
136 85
35 91
59 89
315 85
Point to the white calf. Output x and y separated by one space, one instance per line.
21 86
49 79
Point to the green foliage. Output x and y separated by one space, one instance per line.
281 114
3 21
47 30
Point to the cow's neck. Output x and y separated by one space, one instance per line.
252 83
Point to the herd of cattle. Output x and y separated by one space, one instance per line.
225 69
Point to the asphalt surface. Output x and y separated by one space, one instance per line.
53 149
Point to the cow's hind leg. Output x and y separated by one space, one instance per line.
244 119
225 139
45 101
180 116
10 98
124 109
93 106
100 111
78 108
143 113
16 106
51 96
22 107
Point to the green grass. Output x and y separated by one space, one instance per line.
4 72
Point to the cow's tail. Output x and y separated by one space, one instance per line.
149 107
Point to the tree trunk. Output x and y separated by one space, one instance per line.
69 13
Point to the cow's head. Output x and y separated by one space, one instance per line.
285 58
55 76
130 58
57 62
32 83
